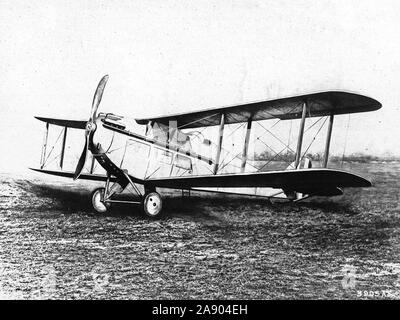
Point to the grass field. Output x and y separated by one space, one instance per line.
52 246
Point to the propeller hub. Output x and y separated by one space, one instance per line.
90 126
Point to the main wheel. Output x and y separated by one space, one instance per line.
98 201
152 204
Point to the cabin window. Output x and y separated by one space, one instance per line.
137 147
163 156
183 162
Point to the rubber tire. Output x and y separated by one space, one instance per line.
148 197
106 205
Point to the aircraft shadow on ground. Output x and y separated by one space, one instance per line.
78 199
331 232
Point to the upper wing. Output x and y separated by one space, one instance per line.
319 104
76 124
310 181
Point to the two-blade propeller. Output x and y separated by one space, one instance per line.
91 125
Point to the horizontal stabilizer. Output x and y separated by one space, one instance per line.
76 124
70 174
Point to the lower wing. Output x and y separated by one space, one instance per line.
323 182
309 181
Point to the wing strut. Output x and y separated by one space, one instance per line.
63 148
328 141
221 135
45 137
301 133
246 146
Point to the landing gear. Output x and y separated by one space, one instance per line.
152 204
98 203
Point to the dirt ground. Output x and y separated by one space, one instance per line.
205 247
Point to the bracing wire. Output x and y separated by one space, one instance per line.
198 120
312 141
288 147
273 158
48 156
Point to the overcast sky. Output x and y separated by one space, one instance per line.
177 56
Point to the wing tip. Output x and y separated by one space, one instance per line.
367 183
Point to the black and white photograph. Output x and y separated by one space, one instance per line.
209 151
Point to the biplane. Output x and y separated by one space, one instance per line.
145 155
